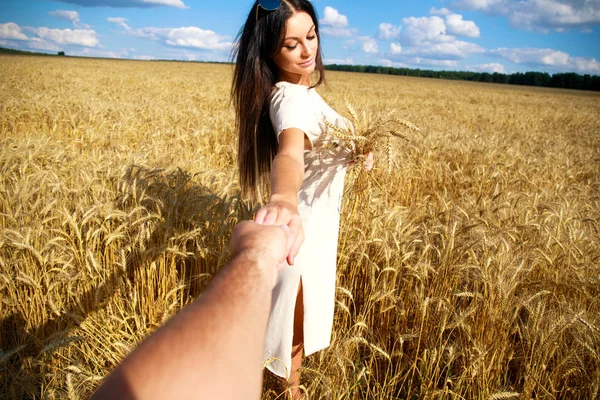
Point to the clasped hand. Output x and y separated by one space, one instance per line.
367 163
280 212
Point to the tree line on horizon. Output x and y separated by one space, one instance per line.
566 80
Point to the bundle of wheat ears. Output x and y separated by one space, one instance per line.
368 133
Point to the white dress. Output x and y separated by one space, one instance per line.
319 200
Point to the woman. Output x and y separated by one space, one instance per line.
282 139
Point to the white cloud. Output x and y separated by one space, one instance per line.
388 31
342 61
192 36
431 62
39 44
120 22
336 31
335 24
455 49
127 3
43 38
586 65
78 37
348 44
366 44
491 68
187 36
419 62
332 17
389 63
143 57
369 44
457 26
151 33
437 63
170 3
424 30
549 59
12 31
418 31
386 62
94 52
185 54
431 41
439 11
482 4
72 16
540 14
428 37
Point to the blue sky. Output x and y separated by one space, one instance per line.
477 35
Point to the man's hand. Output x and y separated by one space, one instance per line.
267 244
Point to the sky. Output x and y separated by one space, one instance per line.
505 36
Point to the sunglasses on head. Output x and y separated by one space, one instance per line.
267 5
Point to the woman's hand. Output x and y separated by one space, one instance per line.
280 212
368 163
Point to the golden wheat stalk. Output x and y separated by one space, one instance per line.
367 133
364 133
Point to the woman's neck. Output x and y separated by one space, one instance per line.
294 78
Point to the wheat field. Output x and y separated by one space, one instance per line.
470 271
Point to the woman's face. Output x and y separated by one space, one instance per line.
297 58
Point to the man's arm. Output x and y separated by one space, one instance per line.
213 348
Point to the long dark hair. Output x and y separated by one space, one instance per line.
260 39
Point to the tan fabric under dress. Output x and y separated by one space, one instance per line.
319 200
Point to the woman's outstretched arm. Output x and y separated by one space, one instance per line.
287 174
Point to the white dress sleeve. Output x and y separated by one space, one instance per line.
292 107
